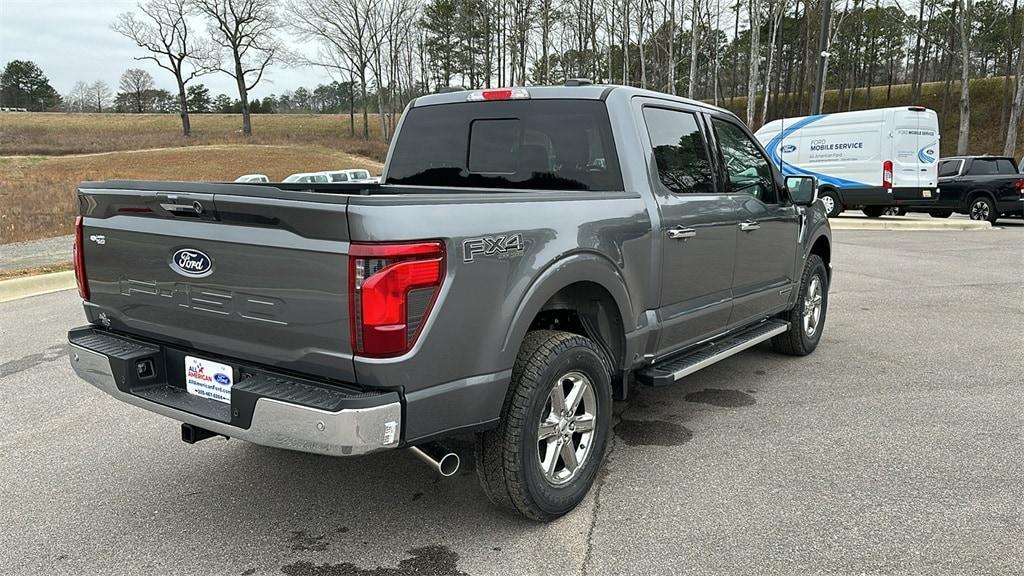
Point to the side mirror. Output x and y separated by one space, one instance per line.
802 189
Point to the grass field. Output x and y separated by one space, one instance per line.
37 193
52 133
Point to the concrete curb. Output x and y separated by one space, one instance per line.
908 224
16 288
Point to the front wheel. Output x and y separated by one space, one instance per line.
830 200
543 457
807 318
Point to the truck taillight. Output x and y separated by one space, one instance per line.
887 174
1020 186
79 258
392 288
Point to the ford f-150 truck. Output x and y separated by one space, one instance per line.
529 255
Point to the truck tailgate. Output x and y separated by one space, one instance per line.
234 271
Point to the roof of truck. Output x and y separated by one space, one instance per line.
584 92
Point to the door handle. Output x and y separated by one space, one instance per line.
749 225
680 233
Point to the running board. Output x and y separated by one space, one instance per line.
672 369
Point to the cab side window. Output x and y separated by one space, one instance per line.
748 170
679 151
949 168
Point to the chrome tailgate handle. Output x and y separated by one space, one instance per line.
680 233
749 225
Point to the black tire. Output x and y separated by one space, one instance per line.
837 205
796 341
940 214
873 211
508 457
982 208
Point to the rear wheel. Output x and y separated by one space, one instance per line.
982 208
873 211
940 214
807 318
543 457
833 207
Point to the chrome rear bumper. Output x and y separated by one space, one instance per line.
275 423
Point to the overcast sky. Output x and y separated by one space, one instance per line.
71 40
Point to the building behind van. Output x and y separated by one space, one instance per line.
867 159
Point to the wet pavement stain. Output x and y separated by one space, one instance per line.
429 560
722 398
300 541
652 433
417 496
759 372
30 361
249 572
343 529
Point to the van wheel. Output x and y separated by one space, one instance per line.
940 214
543 457
807 318
873 211
833 207
982 209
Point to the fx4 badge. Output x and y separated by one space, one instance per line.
500 246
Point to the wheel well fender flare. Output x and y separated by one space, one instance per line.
970 197
575 268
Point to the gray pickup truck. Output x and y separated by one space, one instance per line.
529 255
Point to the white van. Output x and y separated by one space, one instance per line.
868 159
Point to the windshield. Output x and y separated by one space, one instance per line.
520 144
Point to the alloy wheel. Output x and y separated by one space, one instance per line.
980 210
812 306
566 429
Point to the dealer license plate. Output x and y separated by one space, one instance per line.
208 379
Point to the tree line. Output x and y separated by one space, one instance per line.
779 55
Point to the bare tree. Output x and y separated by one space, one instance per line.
344 31
245 29
777 10
964 26
694 38
163 30
136 82
100 94
1017 108
755 58
79 99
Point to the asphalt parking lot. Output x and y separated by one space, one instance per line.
895 449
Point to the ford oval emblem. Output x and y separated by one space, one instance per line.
191 262
788 148
222 379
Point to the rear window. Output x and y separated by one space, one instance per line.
518 144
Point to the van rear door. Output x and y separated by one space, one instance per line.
915 152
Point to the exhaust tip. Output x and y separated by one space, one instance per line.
439 458
449 464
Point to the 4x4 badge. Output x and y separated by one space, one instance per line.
500 246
